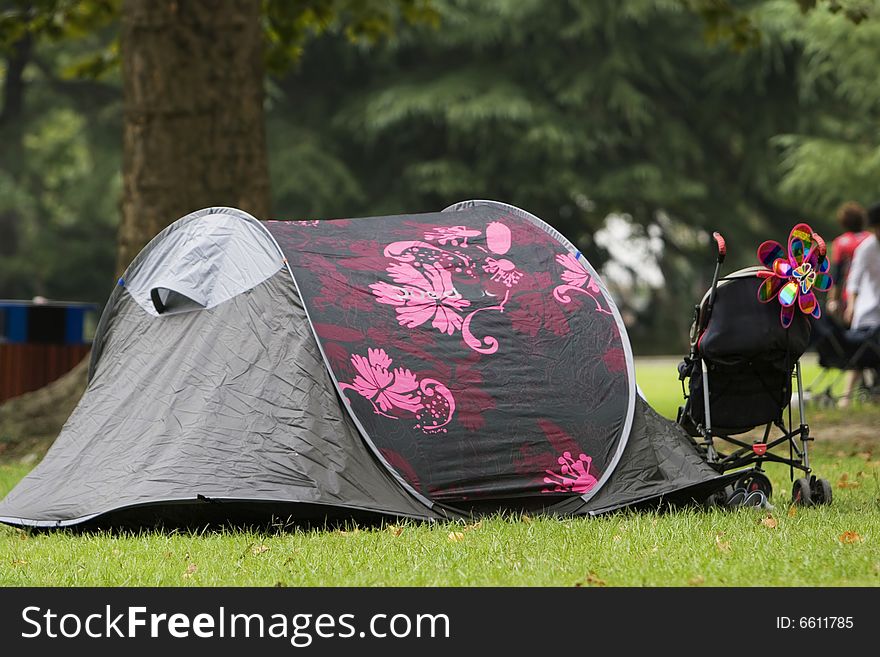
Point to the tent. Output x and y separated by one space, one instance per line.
427 366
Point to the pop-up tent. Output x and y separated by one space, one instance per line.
426 366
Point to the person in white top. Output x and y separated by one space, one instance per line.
863 288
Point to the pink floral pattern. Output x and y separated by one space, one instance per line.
399 390
387 389
407 316
454 235
577 279
425 288
503 271
422 295
573 477
535 310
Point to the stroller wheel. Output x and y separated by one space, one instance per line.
755 480
820 491
800 492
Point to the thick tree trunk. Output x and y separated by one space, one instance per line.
194 131
194 137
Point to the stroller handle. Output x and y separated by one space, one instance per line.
722 246
821 244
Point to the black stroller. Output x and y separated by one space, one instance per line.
841 349
740 370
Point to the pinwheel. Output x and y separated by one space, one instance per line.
793 277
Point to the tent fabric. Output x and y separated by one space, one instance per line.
207 257
740 330
231 403
409 366
479 356
660 463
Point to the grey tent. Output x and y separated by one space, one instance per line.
426 366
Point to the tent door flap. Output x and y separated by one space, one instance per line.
172 298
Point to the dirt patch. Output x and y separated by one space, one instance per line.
30 423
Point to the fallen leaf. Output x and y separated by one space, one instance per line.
792 511
592 580
849 537
865 455
395 530
190 571
845 482
259 549
526 519
722 546
476 525
770 522
456 536
20 562
699 580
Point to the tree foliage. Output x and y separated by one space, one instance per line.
677 117
573 110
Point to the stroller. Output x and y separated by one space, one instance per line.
739 372
841 349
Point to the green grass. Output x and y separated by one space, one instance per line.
829 546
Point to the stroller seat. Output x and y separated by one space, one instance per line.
738 377
749 357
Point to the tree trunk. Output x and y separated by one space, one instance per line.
194 132
193 138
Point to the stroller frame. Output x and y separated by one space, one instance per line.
807 490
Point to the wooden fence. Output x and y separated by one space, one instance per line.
26 367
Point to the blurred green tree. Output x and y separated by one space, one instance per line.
192 85
679 115
573 110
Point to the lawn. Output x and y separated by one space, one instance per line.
828 546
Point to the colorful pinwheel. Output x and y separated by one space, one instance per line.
794 276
